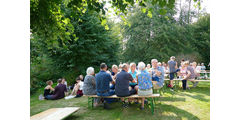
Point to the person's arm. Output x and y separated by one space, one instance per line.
52 89
176 66
188 75
111 80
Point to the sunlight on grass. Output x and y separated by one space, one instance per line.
192 104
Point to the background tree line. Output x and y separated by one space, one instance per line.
67 36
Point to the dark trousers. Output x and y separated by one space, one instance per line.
184 84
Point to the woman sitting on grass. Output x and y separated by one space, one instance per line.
144 82
48 90
78 87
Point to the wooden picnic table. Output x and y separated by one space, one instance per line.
149 98
55 113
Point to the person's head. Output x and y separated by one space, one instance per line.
154 63
159 64
103 67
186 63
141 66
133 66
63 80
78 79
81 77
194 64
49 82
90 71
182 60
202 64
124 67
120 66
172 58
148 66
114 68
198 64
59 80
191 64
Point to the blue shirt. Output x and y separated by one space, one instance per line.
144 80
102 81
134 74
158 78
172 65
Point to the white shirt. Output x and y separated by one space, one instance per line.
81 85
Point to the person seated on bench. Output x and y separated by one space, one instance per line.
122 84
190 75
133 73
114 75
59 91
103 80
157 73
89 86
144 82
48 90
78 87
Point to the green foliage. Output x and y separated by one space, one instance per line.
202 37
162 36
89 44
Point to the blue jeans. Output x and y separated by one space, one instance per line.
48 97
171 75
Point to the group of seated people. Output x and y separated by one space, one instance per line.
125 80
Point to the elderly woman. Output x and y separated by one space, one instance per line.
133 73
89 86
144 82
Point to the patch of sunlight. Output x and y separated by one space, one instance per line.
169 113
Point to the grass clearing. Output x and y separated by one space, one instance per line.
191 104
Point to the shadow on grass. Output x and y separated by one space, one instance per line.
178 113
172 99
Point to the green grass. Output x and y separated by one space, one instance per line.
192 104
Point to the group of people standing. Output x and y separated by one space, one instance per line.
126 80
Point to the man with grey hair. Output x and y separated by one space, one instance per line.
122 88
172 65
157 73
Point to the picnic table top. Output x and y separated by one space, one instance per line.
132 96
54 113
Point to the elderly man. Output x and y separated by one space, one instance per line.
122 84
172 65
103 80
157 73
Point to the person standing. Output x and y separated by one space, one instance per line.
172 65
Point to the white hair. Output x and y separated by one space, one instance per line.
131 64
172 58
90 70
154 60
115 66
141 65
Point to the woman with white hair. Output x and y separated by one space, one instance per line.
89 86
144 82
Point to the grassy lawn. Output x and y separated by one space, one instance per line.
192 104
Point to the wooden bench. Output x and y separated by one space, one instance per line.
149 98
55 113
